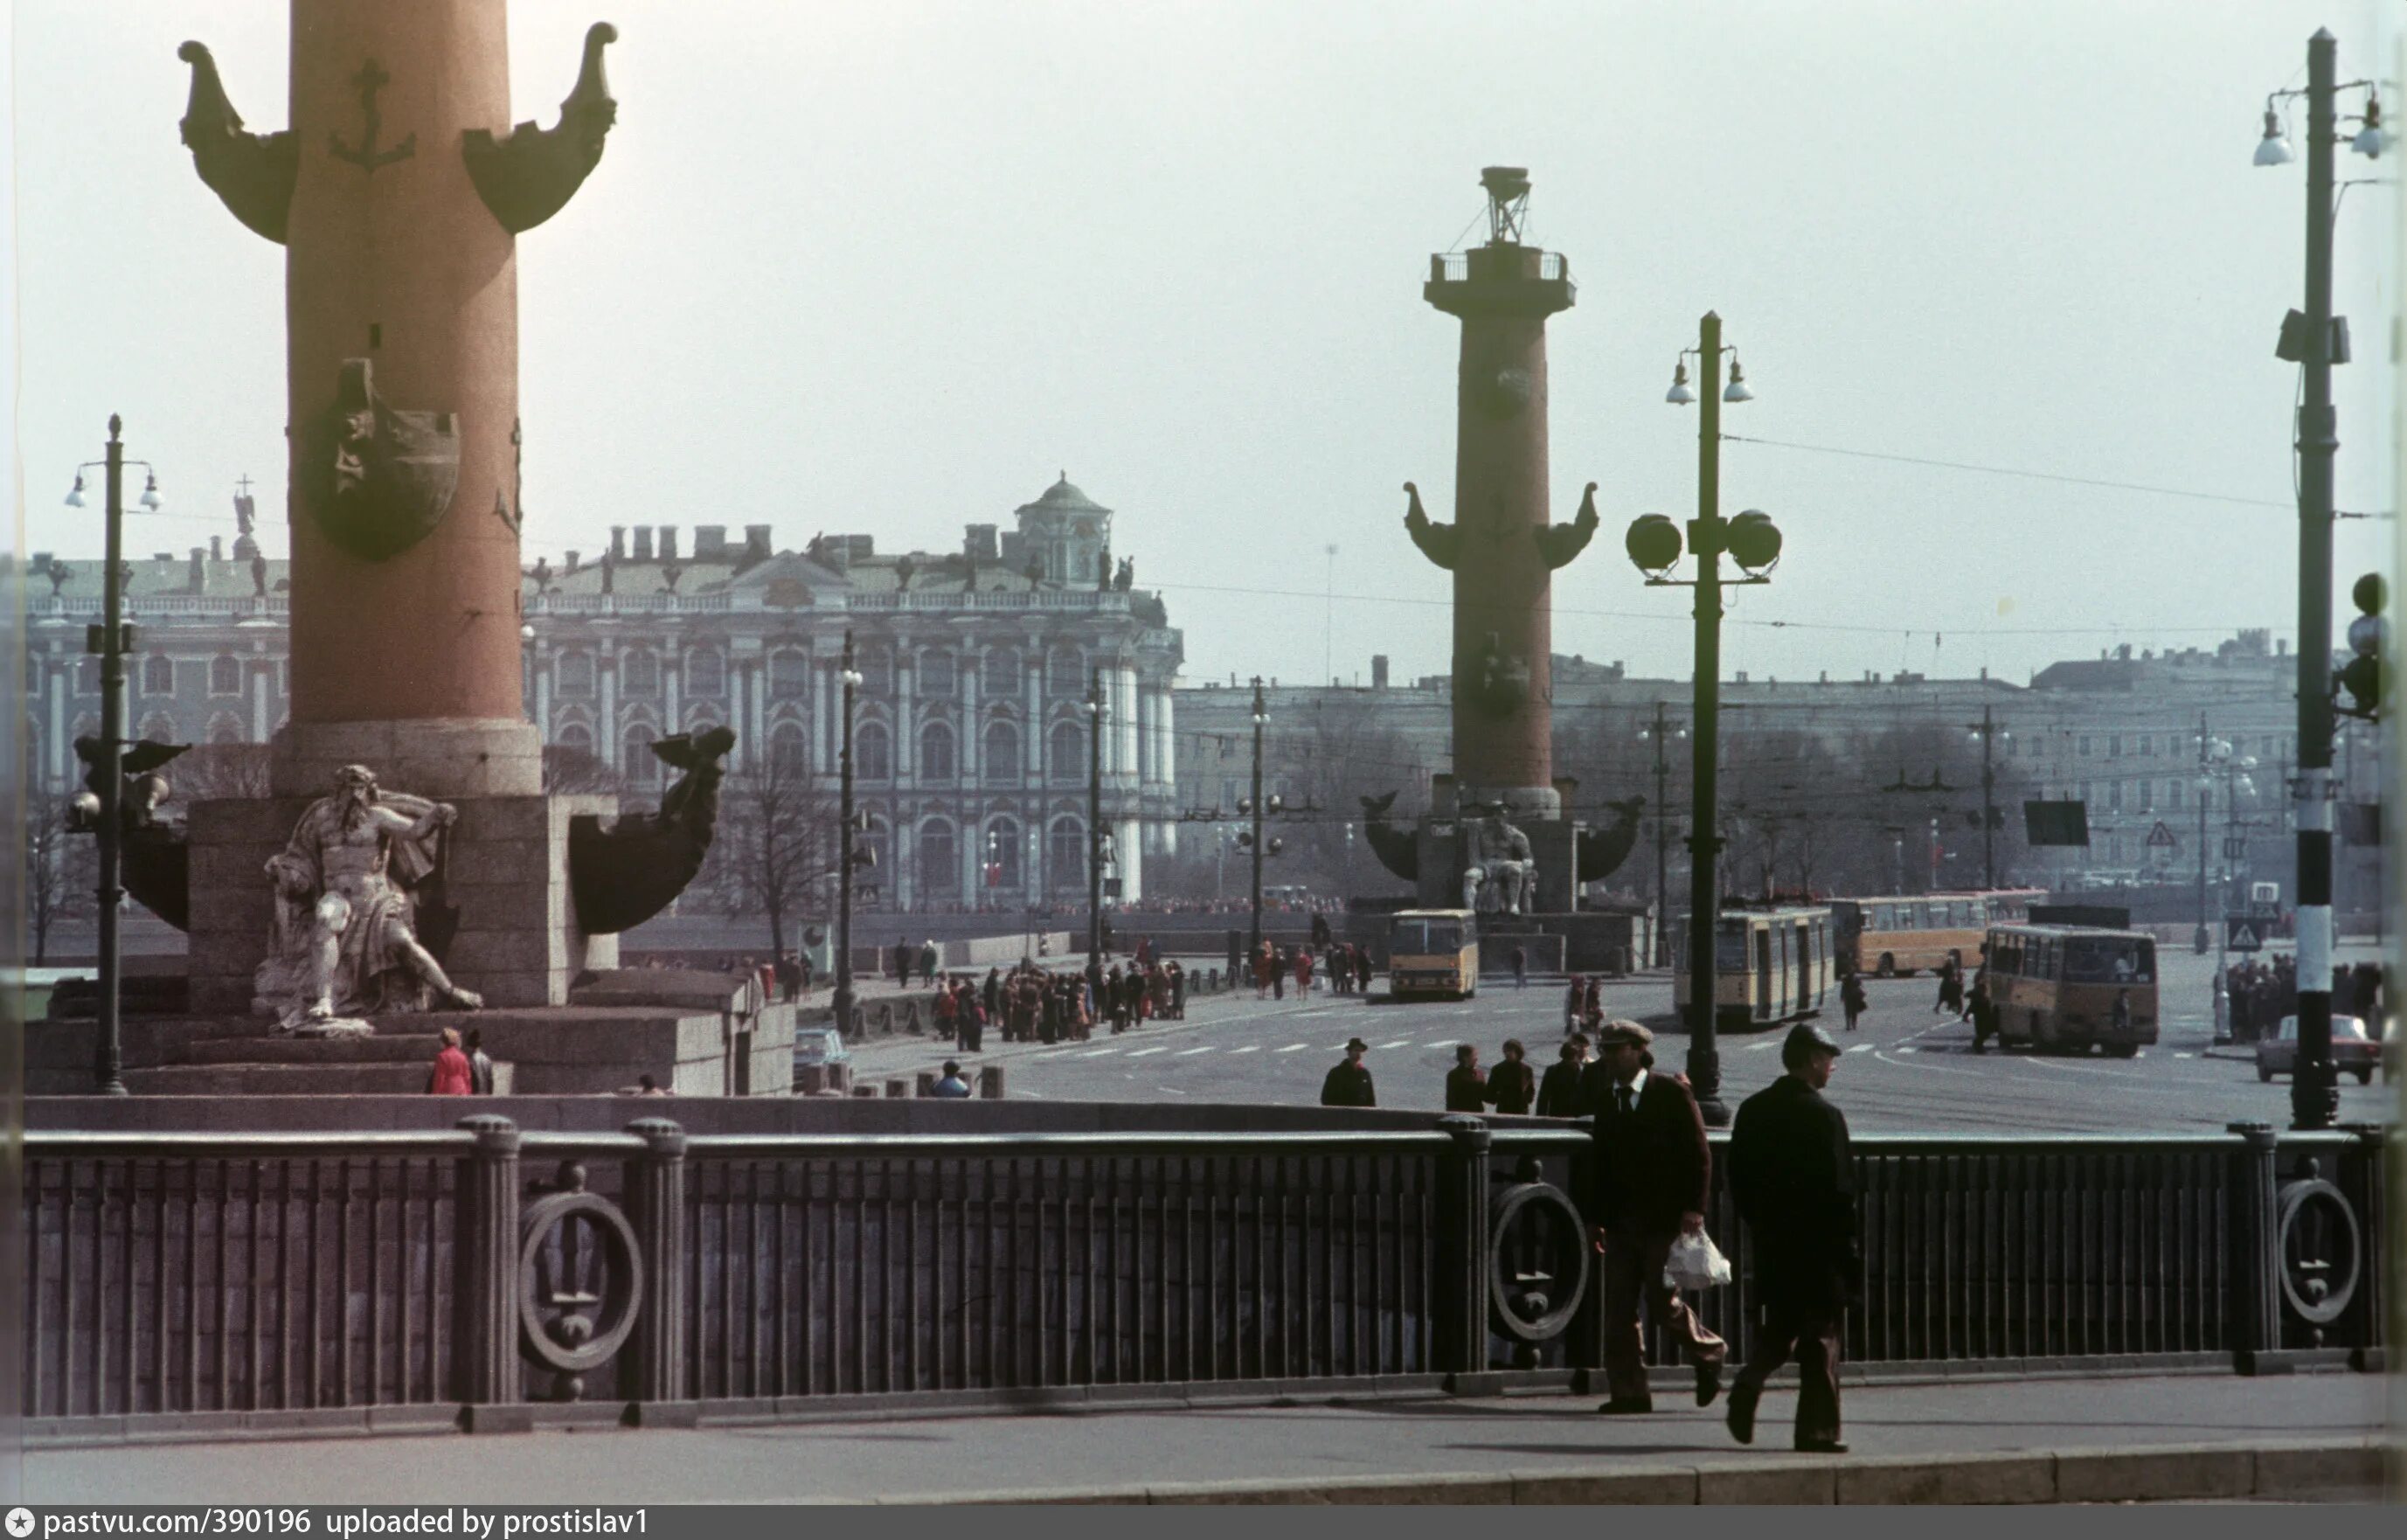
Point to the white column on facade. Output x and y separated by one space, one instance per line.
671 687
62 682
1126 674
1033 720
824 693
543 690
907 732
969 671
258 672
971 854
906 861
605 727
756 709
1131 869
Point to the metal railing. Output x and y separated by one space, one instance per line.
182 1273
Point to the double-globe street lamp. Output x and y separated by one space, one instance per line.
2315 340
112 639
1753 542
1255 807
1662 735
1096 715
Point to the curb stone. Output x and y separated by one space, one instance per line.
2161 1472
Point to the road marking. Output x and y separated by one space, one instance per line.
1250 1048
2180 1055
1097 1053
1141 1052
1903 1048
1442 1042
1758 1048
1173 1090
1295 1048
1399 1043
1189 1053
1862 1048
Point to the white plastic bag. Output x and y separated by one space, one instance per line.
1696 1263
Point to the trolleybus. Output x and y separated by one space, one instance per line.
1908 932
1770 966
2055 988
1434 952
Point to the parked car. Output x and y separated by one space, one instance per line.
2352 1052
819 1046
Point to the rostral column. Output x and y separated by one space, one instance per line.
398 194
1501 548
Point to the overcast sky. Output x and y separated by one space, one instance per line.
892 268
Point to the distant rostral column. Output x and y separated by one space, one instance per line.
1501 548
398 194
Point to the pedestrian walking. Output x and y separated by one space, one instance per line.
929 959
902 963
1511 1086
1652 1171
480 1068
1302 965
1574 999
1851 995
1558 1093
1794 1180
1593 1007
1362 969
1951 988
449 1076
1177 991
951 1086
1349 1083
1520 967
1466 1089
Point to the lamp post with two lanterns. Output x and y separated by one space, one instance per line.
846 858
1752 541
1662 734
1254 808
112 639
2315 340
1095 716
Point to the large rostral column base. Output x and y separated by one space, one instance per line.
443 758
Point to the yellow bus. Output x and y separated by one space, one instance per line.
1908 932
1770 966
2054 988
1434 952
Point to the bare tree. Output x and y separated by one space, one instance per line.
776 843
211 771
572 772
61 870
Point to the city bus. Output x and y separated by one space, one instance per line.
1770 966
1434 952
1905 934
2053 988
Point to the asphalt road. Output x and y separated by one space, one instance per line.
1907 1069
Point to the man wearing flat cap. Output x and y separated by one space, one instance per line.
1794 1180
1350 1084
1651 1173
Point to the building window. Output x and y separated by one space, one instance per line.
158 675
706 672
1065 673
999 674
574 675
1066 751
1229 796
573 736
2115 745
2081 747
224 731
2173 795
2147 745
2147 796
877 668
936 677
639 674
940 866
88 676
638 764
873 752
790 673
1065 855
789 749
1001 751
935 753
1002 853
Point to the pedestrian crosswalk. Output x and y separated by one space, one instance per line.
1250 1048
1189 1053
1141 1052
1294 1047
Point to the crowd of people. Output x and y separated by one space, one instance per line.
1033 1004
2260 994
1340 967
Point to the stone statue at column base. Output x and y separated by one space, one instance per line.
1502 873
345 942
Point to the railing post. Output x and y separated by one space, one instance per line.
654 1372
2255 1234
491 1380
1460 1315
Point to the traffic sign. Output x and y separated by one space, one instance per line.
2244 932
2234 847
2162 838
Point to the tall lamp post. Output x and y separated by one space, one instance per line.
1096 714
1753 542
112 639
1252 838
1663 733
2315 339
1987 732
2216 759
851 677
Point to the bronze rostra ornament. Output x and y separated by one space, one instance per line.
252 174
377 478
528 177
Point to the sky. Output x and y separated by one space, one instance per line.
892 268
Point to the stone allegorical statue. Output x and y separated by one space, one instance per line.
1502 875
345 942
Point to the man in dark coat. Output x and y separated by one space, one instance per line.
1652 1171
1466 1089
1510 1084
1558 1093
1795 1183
1349 1083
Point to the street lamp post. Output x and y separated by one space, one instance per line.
1096 714
1254 807
2315 340
1988 732
112 639
2216 757
1662 733
851 677
1753 542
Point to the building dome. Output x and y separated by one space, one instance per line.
1062 497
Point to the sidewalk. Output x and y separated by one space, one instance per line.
2154 1438
902 1052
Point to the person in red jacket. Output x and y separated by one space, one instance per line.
450 1075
